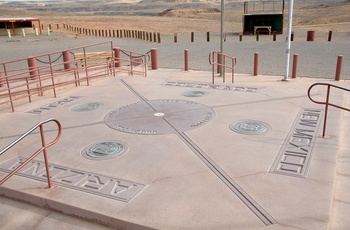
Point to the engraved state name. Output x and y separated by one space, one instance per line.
53 105
295 155
212 86
110 187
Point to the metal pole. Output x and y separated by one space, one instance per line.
222 31
289 34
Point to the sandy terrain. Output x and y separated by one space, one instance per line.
185 16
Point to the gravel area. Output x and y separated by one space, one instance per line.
316 59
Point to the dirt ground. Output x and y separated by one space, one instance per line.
320 15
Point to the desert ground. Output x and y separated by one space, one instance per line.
175 16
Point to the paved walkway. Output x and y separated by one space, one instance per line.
183 154
315 59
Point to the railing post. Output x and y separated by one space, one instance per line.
208 36
256 63
0 79
154 58
117 56
45 156
33 70
339 66
66 59
192 36
326 111
219 58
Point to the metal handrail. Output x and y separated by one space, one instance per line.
42 149
18 80
222 64
326 103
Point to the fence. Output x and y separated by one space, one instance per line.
24 78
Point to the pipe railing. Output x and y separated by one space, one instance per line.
26 77
42 149
326 102
220 63
132 59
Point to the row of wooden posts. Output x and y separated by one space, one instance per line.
156 37
143 35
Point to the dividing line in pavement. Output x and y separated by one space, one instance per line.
262 214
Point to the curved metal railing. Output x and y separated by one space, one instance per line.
42 149
326 102
221 64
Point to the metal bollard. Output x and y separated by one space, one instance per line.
186 59
339 65
154 58
117 56
192 36
175 37
33 70
310 36
256 63
66 59
295 66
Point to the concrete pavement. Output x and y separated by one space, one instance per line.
193 155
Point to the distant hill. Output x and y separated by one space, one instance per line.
138 7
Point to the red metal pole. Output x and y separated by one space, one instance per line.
117 56
295 66
0 80
33 70
45 156
186 59
310 36
256 63
66 59
326 112
13 29
154 58
339 65
219 62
